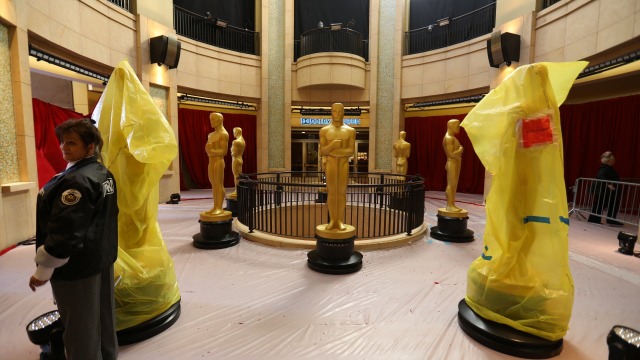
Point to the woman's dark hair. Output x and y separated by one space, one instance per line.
85 129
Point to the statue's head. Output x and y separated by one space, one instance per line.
454 126
337 112
403 135
237 132
216 119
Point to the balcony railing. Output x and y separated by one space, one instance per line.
326 40
447 32
200 28
292 204
125 4
547 3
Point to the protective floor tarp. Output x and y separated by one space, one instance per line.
252 301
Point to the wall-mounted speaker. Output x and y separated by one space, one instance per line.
164 50
503 48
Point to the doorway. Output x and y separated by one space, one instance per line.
305 151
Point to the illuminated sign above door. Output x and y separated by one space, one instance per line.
324 121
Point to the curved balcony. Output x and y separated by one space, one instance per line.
331 56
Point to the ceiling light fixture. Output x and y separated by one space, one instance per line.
54 60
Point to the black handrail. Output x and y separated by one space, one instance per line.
459 29
292 203
547 3
326 40
202 29
124 4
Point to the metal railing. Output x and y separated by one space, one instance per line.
292 204
125 4
200 28
451 31
326 40
547 3
591 197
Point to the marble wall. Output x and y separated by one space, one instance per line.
275 114
9 167
385 85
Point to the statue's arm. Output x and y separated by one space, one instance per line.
221 149
325 146
449 147
350 148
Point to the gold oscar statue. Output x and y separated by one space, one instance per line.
453 150
237 149
452 220
337 145
401 151
216 149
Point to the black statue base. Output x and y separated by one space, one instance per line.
232 205
503 338
322 197
149 328
334 256
452 229
215 235
399 202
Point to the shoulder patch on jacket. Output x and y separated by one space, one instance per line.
71 197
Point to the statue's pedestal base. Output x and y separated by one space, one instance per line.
503 338
151 327
334 252
452 227
398 202
215 232
232 206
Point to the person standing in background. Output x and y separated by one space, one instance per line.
605 195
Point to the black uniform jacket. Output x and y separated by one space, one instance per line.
77 218
607 172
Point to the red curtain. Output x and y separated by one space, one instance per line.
194 127
588 130
592 128
428 159
48 156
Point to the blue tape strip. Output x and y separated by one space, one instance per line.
539 219
486 257
564 220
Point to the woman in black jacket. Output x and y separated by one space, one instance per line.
77 243
605 195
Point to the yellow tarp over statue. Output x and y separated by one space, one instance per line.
522 279
139 144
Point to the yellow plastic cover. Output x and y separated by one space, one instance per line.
138 147
522 279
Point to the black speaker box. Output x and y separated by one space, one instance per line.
164 50
503 48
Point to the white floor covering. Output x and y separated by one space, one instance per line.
252 301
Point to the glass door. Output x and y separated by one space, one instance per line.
312 156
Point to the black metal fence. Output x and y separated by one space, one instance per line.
448 32
547 3
292 204
326 40
125 4
214 32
